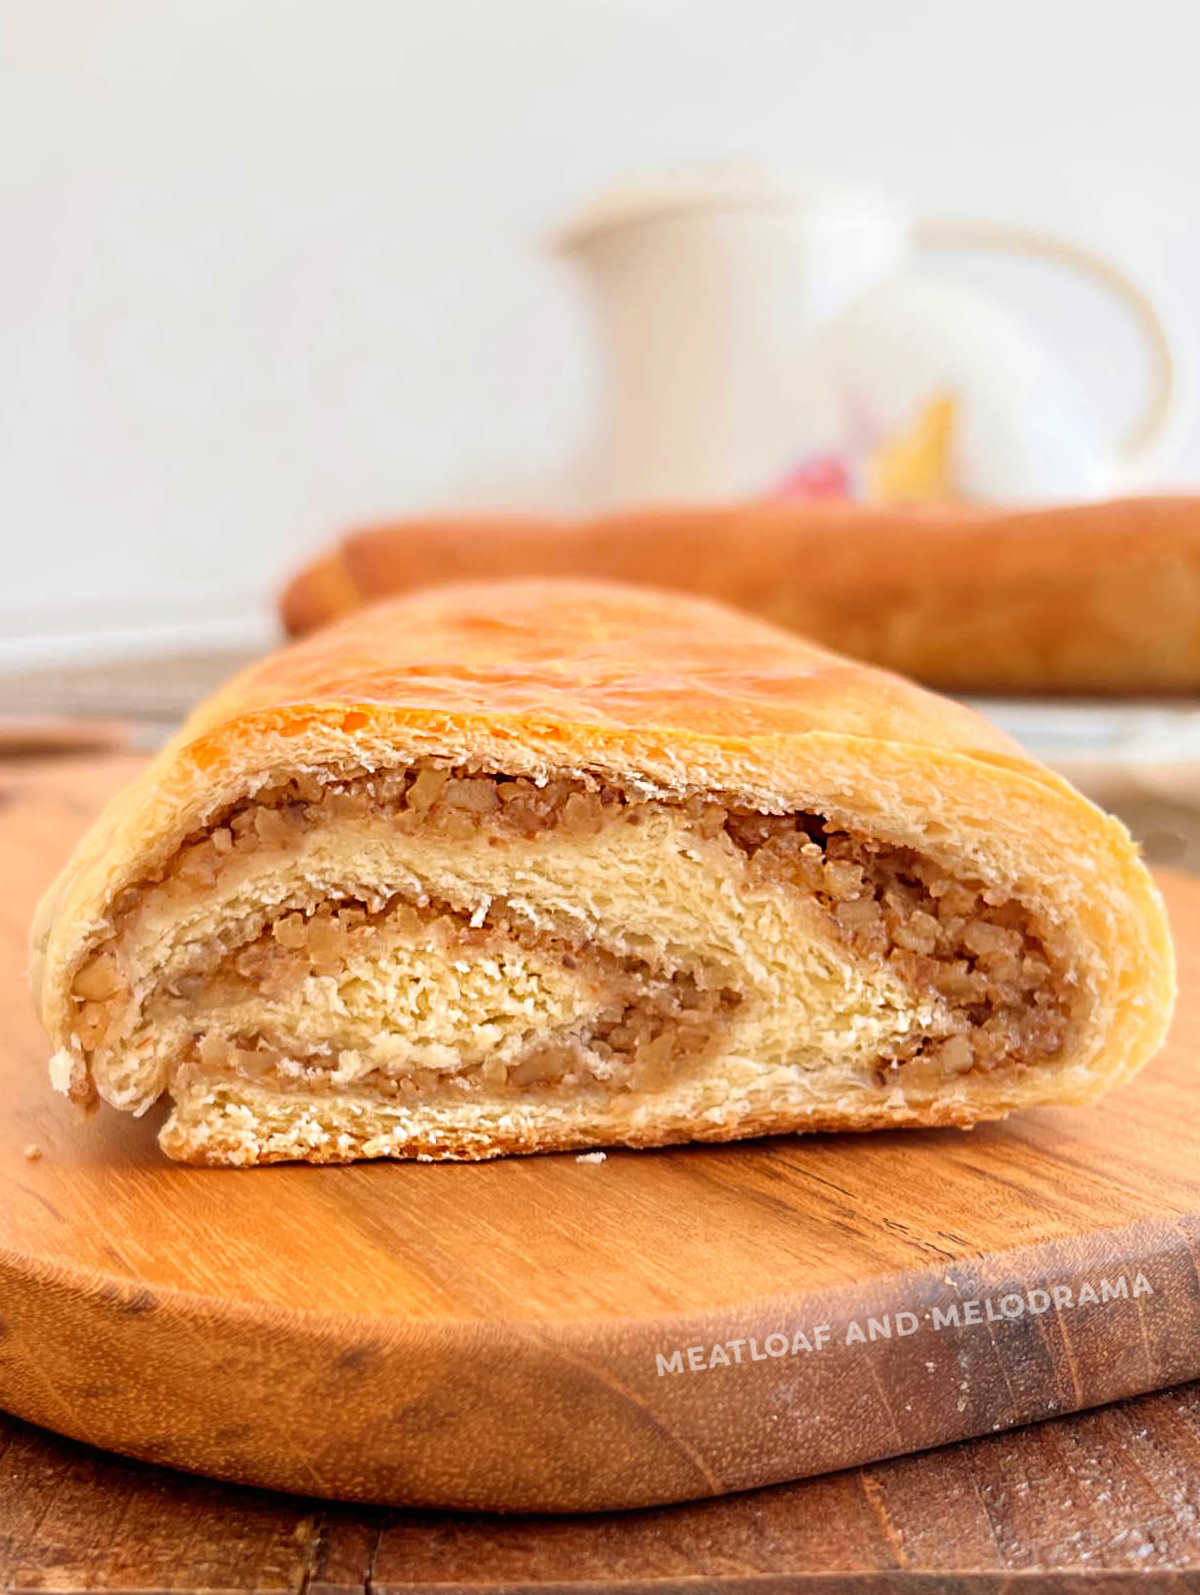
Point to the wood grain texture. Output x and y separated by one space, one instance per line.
73 1519
1108 1501
486 1335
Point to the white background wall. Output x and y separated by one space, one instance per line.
267 266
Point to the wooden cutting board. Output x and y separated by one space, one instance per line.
551 1334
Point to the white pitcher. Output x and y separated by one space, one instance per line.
757 334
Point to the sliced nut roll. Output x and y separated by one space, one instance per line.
540 865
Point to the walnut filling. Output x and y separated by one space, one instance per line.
971 944
570 1013
626 1030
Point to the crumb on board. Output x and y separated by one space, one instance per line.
32 1152
591 1157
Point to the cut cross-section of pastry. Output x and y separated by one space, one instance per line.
533 865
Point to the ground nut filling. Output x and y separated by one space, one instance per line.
642 1025
971 944
1001 984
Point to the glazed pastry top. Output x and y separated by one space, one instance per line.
598 654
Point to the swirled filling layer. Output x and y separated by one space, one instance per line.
436 930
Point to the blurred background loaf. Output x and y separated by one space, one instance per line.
1089 599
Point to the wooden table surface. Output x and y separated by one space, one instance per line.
1102 1503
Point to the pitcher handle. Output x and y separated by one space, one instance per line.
1161 411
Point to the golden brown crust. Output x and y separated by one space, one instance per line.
1083 598
675 696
